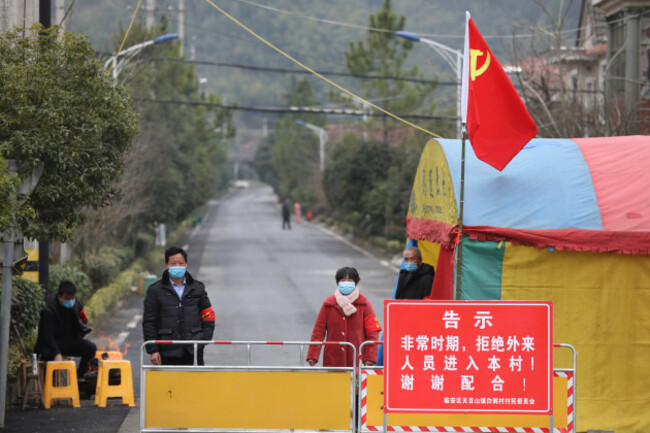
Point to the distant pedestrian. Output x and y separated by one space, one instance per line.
297 210
345 316
176 308
286 215
309 215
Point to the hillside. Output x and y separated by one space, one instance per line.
314 32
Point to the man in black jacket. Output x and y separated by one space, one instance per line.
176 307
415 278
62 328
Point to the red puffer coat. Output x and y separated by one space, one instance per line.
359 327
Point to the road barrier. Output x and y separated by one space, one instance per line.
247 397
372 417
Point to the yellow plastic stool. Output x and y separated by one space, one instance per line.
61 383
105 390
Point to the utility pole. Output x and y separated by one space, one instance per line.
45 18
181 23
10 238
45 13
151 10
59 13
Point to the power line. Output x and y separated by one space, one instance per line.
301 71
458 36
340 74
284 110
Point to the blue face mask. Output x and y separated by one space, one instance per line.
177 271
346 287
410 266
70 303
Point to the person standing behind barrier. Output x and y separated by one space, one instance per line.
176 307
286 215
345 316
415 278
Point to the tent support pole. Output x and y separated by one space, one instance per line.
459 252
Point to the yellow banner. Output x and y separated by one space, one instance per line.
433 196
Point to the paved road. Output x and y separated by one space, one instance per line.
265 283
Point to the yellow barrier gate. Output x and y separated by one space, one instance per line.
372 417
246 398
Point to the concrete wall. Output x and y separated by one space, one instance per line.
17 13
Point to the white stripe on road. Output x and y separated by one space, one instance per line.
120 338
134 322
356 247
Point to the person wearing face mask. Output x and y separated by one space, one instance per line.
415 278
62 327
176 307
345 316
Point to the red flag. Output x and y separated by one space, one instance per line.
498 124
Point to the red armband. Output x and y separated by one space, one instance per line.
207 315
83 316
371 324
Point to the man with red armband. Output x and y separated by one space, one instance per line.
176 307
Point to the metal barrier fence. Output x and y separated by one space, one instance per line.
200 398
374 419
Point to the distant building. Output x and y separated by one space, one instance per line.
628 56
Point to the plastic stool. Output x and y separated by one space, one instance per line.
66 383
106 390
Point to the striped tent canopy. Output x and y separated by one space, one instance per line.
583 194
568 220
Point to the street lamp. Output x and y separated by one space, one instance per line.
322 136
123 57
454 59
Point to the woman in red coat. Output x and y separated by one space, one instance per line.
345 316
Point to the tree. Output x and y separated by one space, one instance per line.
61 108
383 53
563 107
178 161
288 159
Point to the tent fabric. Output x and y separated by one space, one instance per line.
619 168
601 304
555 193
566 221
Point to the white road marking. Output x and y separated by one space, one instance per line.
134 322
357 247
120 338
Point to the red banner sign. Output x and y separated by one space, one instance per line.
468 356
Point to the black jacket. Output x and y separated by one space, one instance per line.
58 324
415 285
168 318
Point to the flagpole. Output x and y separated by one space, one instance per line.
459 249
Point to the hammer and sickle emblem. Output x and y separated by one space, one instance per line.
474 55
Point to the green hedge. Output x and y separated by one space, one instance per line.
104 298
100 267
26 304
73 274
